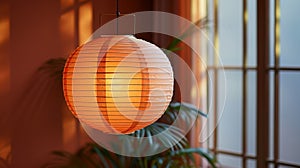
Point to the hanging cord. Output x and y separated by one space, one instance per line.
117 14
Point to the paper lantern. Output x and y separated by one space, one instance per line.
118 84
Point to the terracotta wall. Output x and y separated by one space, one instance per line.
32 122
33 117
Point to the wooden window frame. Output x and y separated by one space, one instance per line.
263 71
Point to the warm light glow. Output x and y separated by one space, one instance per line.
67 31
118 84
4 29
216 32
85 22
198 92
4 48
198 9
246 16
66 4
5 147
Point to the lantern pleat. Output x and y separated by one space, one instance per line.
118 84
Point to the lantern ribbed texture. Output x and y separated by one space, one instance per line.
118 84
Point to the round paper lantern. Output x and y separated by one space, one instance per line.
118 84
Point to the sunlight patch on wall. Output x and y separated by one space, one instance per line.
64 4
67 32
4 27
198 93
4 48
198 9
199 12
85 22
5 149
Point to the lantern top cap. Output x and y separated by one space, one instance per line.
119 35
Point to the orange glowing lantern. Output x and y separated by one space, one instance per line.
118 84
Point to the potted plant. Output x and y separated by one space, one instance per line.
181 155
